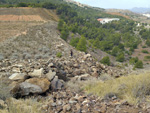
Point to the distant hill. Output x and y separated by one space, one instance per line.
140 10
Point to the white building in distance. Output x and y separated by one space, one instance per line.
147 15
107 20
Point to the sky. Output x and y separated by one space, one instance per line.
118 4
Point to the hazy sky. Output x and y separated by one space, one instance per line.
120 4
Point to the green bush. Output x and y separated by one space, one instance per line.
145 51
133 60
115 51
105 61
131 49
22 5
147 58
121 46
59 54
148 42
139 64
64 32
120 57
74 42
82 44
144 47
49 6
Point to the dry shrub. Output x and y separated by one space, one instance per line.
132 88
22 106
78 86
4 90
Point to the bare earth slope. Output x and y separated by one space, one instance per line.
14 21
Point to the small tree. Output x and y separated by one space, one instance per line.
139 64
105 61
60 24
22 5
133 60
120 57
148 42
64 32
121 46
49 6
82 44
74 42
115 51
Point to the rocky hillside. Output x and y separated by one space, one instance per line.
38 74
39 64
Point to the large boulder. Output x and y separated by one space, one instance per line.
43 83
31 86
18 76
25 89
28 88
36 73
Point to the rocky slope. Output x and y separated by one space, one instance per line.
31 66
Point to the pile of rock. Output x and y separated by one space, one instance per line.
34 83
71 102
37 77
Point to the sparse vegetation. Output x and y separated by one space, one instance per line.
105 60
139 64
74 42
133 60
132 88
82 44
147 58
145 51
120 57
144 46
22 106
4 90
59 54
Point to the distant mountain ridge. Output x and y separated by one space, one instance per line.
140 10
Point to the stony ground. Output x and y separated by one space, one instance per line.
30 65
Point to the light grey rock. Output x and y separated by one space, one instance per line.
43 83
36 73
18 76
27 88
51 75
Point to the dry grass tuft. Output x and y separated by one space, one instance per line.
22 106
133 88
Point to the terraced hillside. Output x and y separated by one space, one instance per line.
15 21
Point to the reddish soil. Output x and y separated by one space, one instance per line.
119 14
20 18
